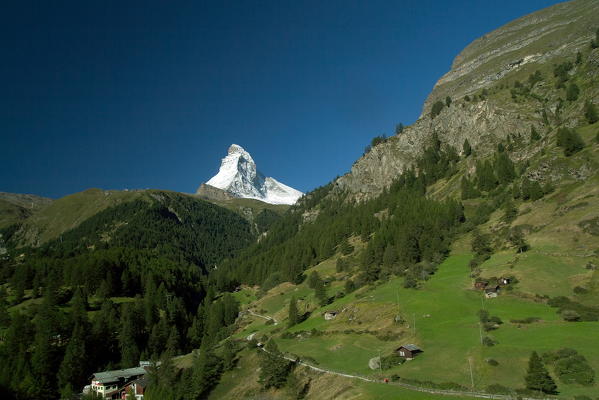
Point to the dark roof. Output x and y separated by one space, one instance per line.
116 375
143 382
411 347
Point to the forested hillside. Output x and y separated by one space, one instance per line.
129 283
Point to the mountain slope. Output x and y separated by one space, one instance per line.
485 107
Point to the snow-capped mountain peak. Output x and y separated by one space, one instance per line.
239 177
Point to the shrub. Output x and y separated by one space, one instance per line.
572 92
437 108
492 362
590 112
570 315
571 367
569 140
489 342
498 389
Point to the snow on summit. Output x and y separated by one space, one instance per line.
239 177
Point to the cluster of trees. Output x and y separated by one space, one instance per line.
379 139
569 140
410 235
570 366
152 258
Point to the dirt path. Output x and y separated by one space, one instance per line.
399 384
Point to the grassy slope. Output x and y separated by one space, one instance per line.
68 212
444 310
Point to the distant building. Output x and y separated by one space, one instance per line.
409 351
504 281
109 384
491 292
138 387
480 285
328 315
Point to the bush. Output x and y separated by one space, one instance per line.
590 112
571 367
489 342
492 362
498 389
570 315
569 140
572 92
437 108
391 361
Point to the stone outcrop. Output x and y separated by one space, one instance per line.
497 59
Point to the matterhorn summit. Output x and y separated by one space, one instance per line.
239 177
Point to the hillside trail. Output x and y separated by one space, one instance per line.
403 385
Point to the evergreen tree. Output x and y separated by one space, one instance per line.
537 377
172 344
569 140
293 312
468 189
590 112
313 279
399 128
320 292
534 135
73 372
274 369
437 108
572 92
4 316
504 168
206 371
516 238
448 101
45 358
486 178
128 337
481 243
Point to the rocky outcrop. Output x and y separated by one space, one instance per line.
494 61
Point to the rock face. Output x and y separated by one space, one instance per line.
238 176
479 85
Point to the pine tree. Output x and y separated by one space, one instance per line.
274 369
537 376
293 313
570 141
504 168
399 128
73 371
534 135
320 292
128 334
572 92
590 112
516 238
4 315
206 371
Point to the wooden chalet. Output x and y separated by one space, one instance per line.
409 351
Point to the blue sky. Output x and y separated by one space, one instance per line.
150 94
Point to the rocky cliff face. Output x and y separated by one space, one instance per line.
479 85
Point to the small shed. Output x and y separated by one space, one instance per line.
409 351
491 292
480 285
504 281
329 315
